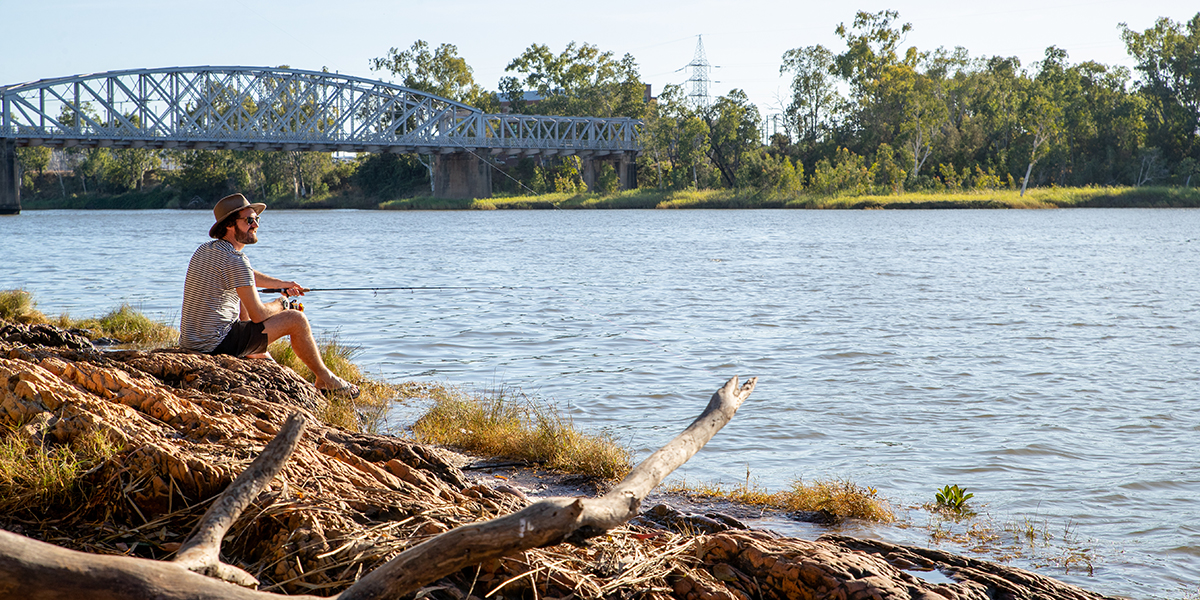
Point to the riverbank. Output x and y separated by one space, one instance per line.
164 431
649 198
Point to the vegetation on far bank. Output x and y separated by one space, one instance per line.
651 198
866 123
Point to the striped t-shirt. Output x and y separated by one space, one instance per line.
210 301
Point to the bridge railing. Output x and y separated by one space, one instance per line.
280 109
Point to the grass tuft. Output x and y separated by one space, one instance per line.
509 424
365 413
840 497
41 474
19 306
125 324
129 326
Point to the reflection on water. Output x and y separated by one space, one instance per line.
1044 360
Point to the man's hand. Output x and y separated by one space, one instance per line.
291 288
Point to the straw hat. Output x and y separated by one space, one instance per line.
227 206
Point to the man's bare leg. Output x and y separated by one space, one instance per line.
294 324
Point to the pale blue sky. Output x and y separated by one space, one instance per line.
52 38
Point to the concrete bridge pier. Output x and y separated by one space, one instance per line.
10 179
623 163
461 175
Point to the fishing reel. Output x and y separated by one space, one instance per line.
292 303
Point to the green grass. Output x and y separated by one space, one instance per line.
124 324
509 424
129 326
19 306
842 498
40 474
646 198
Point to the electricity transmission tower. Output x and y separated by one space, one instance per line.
699 80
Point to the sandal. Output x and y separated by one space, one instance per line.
348 391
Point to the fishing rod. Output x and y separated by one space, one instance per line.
295 304
377 289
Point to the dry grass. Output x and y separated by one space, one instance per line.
842 498
509 424
38 474
365 413
130 327
19 306
125 324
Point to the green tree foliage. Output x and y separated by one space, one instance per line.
33 159
441 72
889 175
733 126
580 81
207 175
389 176
1167 58
676 140
607 180
768 172
845 174
815 102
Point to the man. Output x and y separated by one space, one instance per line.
222 313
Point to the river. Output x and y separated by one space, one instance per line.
1044 360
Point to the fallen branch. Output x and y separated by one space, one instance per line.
201 552
549 521
40 571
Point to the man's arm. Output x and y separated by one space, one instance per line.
266 281
254 307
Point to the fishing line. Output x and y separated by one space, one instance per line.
502 172
595 316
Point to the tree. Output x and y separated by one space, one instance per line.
923 111
733 125
441 72
872 45
1167 59
130 165
580 81
815 99
1041 111
35 158
676 139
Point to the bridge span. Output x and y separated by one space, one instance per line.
275 109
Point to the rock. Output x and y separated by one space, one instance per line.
42 335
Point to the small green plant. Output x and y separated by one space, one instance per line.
954 498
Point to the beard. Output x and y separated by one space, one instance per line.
247 238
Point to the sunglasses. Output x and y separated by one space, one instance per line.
250 220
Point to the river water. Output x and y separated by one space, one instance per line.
1044 360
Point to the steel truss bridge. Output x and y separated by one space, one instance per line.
251 108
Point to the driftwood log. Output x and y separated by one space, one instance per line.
40 571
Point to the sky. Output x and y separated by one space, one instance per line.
743 41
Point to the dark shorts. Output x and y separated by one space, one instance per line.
246 337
